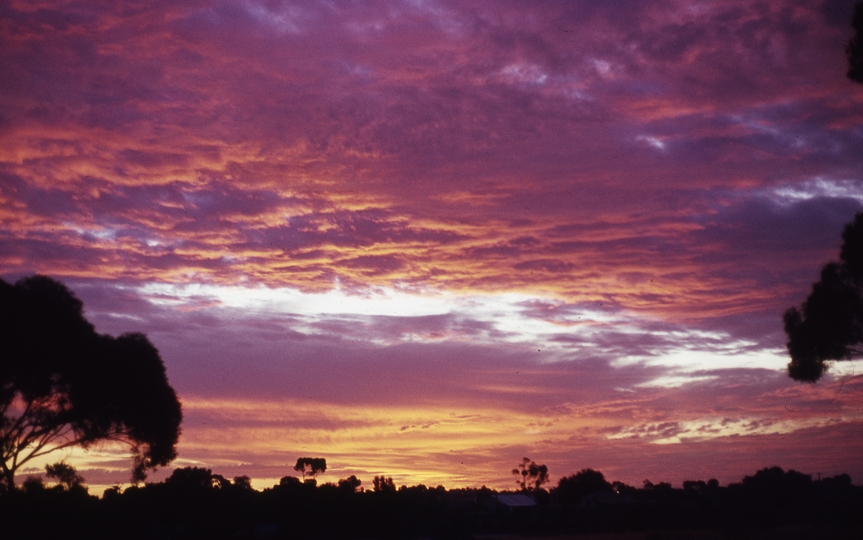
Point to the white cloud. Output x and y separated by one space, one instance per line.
652 141
819 187
549 329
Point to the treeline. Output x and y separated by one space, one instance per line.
195 503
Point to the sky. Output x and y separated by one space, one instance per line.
425 239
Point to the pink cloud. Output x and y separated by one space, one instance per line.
675 174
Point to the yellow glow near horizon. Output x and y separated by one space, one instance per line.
451 444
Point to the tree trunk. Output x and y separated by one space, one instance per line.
8 478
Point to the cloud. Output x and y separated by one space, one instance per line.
564 218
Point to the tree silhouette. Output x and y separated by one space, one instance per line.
351 483
694 485
65 474
829 325
63 385
529 475
195 480
311 467
573 488
854 49
384 484
774 479
243 482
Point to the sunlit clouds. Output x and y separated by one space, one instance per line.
425 239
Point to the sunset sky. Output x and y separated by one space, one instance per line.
426 239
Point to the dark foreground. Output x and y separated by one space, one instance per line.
195 504
760 533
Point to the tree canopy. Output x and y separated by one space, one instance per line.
585 482
309 466
198 503
65 474
829 324
62 384
384 484
351 483
530 476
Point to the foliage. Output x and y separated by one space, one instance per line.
243 482
65 474
384 484
774 479
196 503
829 325
573 488
700 485
195 479
63 385
351 483
622 488
289 481
311 467
529 475
33 484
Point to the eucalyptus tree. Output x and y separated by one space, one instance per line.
829 324
64 385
